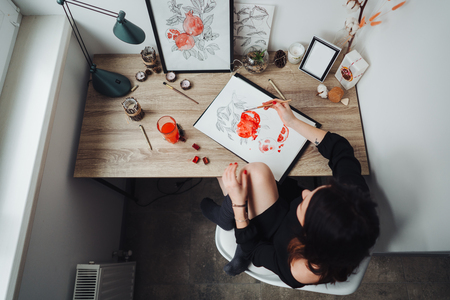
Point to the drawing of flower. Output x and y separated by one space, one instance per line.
251 27
229 116
196 30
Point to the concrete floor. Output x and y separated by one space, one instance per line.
173 245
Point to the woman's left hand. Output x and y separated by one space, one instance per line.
237 190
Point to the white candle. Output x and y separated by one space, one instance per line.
295 53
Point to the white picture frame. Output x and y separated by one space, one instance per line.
319 58
205 40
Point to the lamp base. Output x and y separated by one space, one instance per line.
108 83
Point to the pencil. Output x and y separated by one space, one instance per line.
171 87
267 105
277 89
146 137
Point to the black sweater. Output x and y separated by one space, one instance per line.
272 253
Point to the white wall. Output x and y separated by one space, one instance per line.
403 100
405 104
26 106
76 220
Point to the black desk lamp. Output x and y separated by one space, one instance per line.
107 83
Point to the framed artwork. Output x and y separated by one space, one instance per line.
319 58
193 35
256 135
252 26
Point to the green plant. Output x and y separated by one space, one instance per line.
259 55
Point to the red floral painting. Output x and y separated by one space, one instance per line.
191 29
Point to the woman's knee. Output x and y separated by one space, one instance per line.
262 188
259 172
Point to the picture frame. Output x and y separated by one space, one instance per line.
193 35
319 58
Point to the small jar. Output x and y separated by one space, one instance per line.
256 61
133 109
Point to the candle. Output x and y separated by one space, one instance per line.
295 53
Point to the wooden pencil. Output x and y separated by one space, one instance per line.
146 137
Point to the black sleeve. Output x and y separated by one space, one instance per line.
260 252
342 161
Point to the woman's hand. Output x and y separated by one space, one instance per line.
238 191
284 111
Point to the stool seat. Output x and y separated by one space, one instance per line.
226 244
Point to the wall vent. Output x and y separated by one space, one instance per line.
105 281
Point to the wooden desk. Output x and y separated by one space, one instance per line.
111 147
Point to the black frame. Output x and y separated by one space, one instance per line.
161 54
337 50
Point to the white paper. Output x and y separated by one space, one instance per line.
222 119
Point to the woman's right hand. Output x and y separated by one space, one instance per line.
237 188
284 111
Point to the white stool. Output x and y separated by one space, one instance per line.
226 244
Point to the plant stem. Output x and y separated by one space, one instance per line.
361 10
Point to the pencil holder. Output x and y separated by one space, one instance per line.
133 109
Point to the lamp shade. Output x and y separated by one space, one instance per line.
127 31
108 83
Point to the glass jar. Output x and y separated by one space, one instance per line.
256 61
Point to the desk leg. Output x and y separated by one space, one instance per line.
119 190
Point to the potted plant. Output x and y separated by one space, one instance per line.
256 61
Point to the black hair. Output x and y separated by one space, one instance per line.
341 225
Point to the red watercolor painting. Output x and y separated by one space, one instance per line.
248 125
194 38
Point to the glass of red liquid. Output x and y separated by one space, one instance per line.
168 128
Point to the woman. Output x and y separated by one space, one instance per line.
320 236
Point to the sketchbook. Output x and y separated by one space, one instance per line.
256 135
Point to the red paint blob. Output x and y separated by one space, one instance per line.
193 25
184 42
267 146
283 134
172 34
249 125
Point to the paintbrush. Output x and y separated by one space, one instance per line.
171 87
266 105
281 95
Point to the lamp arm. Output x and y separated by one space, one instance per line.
76 32
93 8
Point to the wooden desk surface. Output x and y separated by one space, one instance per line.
111 147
